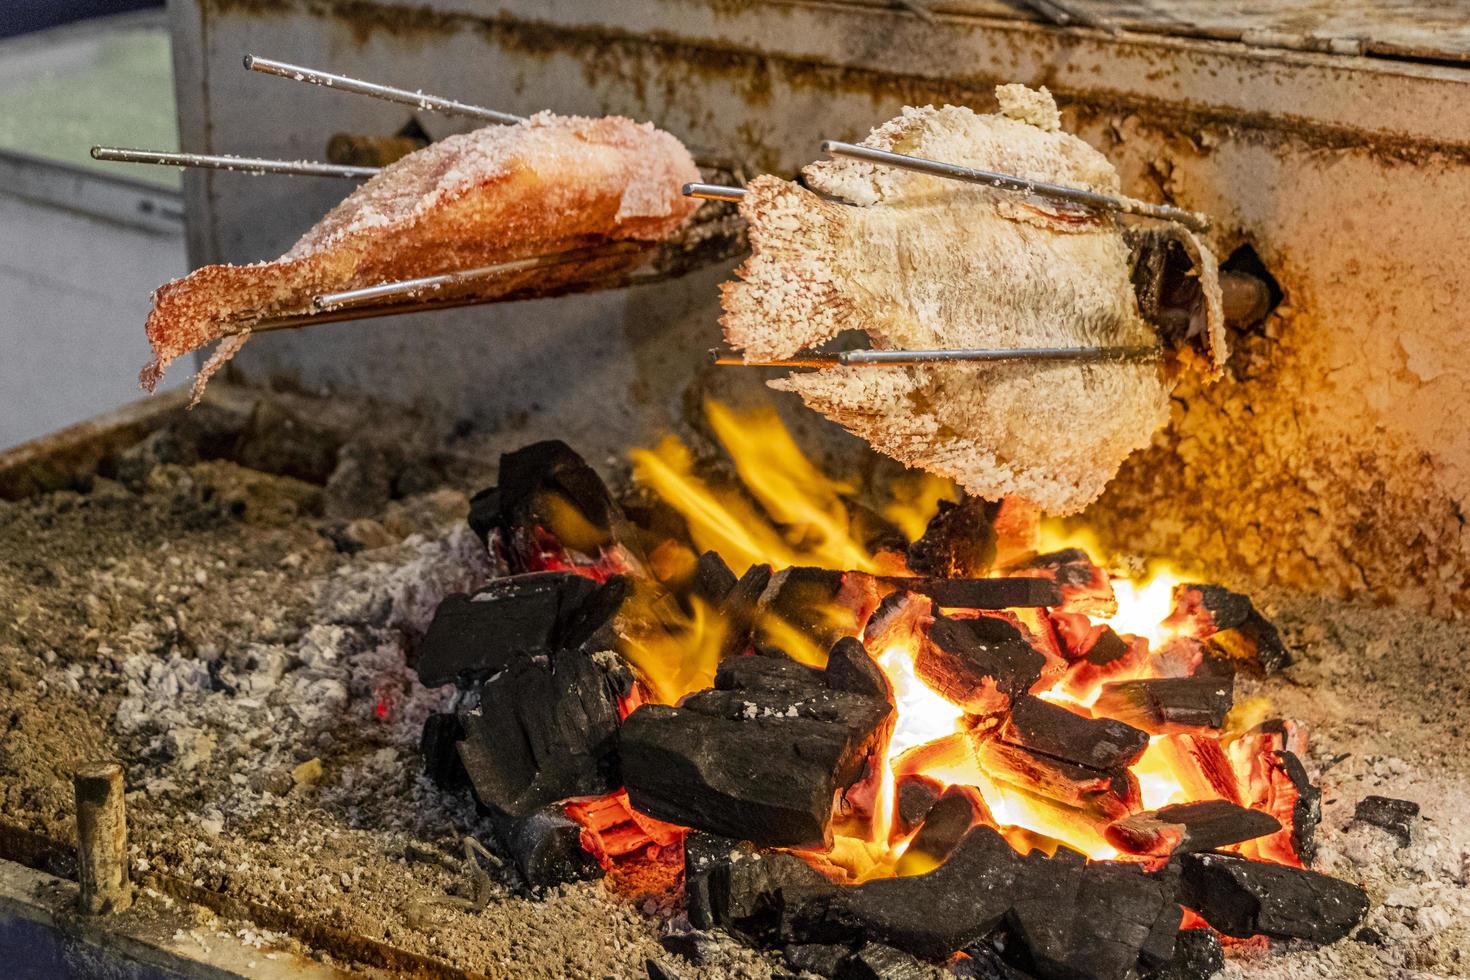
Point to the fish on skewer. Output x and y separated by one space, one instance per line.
546 185
925 263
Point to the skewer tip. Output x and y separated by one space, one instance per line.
249 61
96 153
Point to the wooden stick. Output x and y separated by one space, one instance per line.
102 839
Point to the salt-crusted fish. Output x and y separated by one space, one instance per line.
546 185
920 262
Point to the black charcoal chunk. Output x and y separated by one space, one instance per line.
1093 921
944 826
472 637
1168 705
875 961
983 593
740 889
916 796
1394 816
1232 625
804 597
738 610
692 946
1051 729
959 542
713 579
979 664
546 729
1242 898
546 847
439 746
1189 827
849 668
1198 955
819 958
984 962
931 915
657 971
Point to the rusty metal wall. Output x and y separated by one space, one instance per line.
1337 455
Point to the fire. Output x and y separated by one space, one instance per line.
785 512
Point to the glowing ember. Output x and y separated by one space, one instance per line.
786 513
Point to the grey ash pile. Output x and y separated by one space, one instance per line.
241 620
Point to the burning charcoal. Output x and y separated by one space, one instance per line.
546 846
916 796
472 637
546 729
439 746
758 757
818 958
1051 729
1096 920
551 509
713 579
1198 955
979 664
945 825
612 830
983 962
901 619
1232 624
875 961
1106 795
981 593
849 668
738 888
739 607
1190 827
1162 706
959 541
1394 816
931 915
1085 587
1242 898
1273 779
1107 656
822 604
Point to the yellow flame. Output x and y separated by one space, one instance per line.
916 498
679 656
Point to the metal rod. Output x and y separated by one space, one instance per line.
714 192
388 93
853 358
247 165
102 839
415 288
1007 182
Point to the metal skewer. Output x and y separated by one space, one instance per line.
1008 182
416 288
714 192
248 165
853 358
388 93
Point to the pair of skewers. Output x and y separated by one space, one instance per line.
454 289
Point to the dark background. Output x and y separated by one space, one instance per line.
21 16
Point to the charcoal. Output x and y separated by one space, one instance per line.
875 961
1394 816
819 958
546 846
693 946
1242 898
1050 729
713 579
1198 955
472 637
849 668
982 593
979 664
1167 705
1189 827
944 826
439 747
1232 624
751 763
901 619
1085 587
876 533
740 889
771 675
822 604
984 962
916 795
1103 795
738 610
484 515
931 915
1074 920
959 542
546 729
657 971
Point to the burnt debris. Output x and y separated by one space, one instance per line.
1231 624
1167 705
1394 816
757 757
1243 898
979 664
1046 728
1188 827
